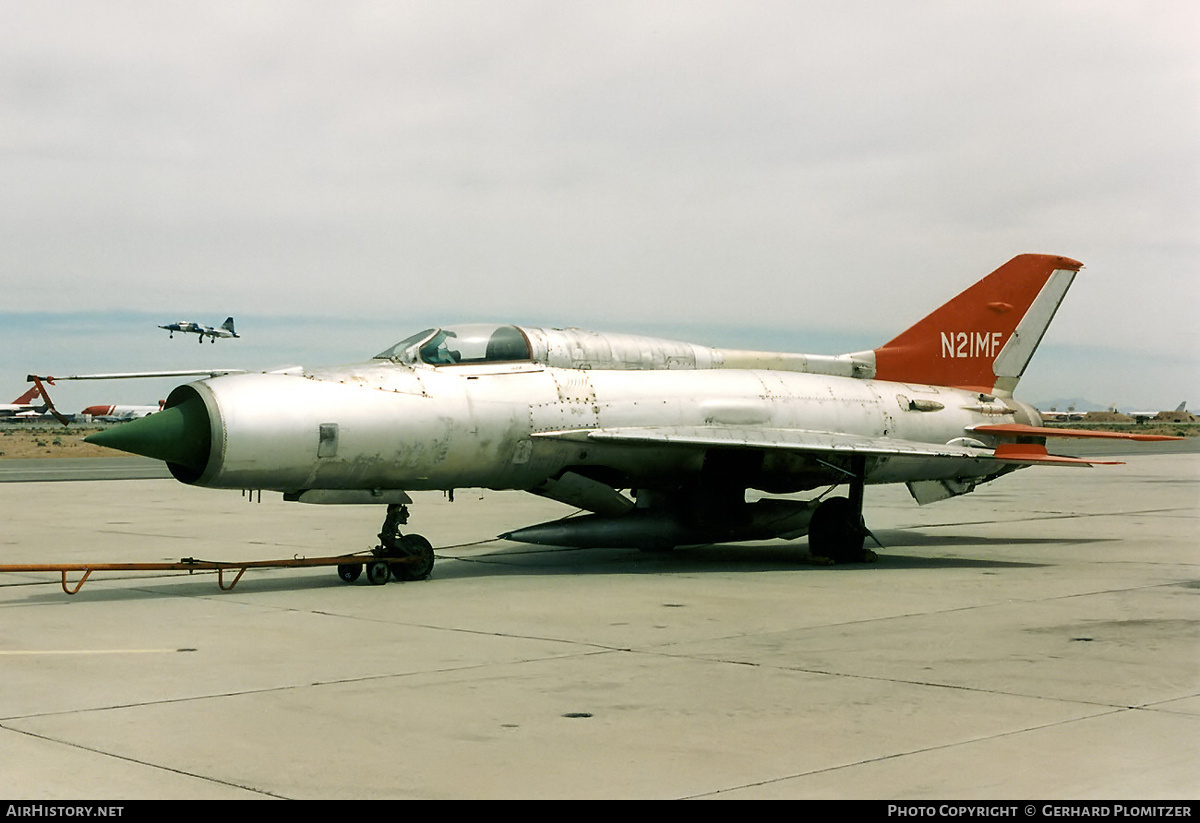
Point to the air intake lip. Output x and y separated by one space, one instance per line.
180 435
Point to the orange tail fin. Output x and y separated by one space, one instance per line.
982 340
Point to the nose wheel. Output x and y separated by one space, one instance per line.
418 554
398 556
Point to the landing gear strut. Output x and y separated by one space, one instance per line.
837 530
412 547
414 550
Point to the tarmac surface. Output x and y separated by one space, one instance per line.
1039 638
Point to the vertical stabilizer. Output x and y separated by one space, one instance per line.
983 339
28 397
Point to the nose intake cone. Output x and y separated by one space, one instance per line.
178 434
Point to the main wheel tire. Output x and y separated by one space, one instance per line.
836 531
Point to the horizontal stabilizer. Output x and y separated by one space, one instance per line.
1023 430
1032 454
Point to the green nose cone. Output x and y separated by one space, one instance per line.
179 434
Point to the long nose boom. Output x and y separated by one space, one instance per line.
178 434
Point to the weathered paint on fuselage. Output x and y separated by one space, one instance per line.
384 425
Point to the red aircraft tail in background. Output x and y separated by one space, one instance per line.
27 398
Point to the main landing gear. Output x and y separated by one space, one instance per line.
399 556
837 531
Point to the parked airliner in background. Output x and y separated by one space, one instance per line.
224 330
1055 416
115 414
659 441
1143 416
24 404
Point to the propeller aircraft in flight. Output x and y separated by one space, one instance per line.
659 441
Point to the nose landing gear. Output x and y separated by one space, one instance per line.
399 556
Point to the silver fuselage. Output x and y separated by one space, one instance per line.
386 425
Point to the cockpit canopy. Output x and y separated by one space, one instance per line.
472 343
571 348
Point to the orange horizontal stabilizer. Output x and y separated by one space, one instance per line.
1033 453
1022 430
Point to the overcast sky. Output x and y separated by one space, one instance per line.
805 175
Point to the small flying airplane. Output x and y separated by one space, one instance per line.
224 330
659 441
